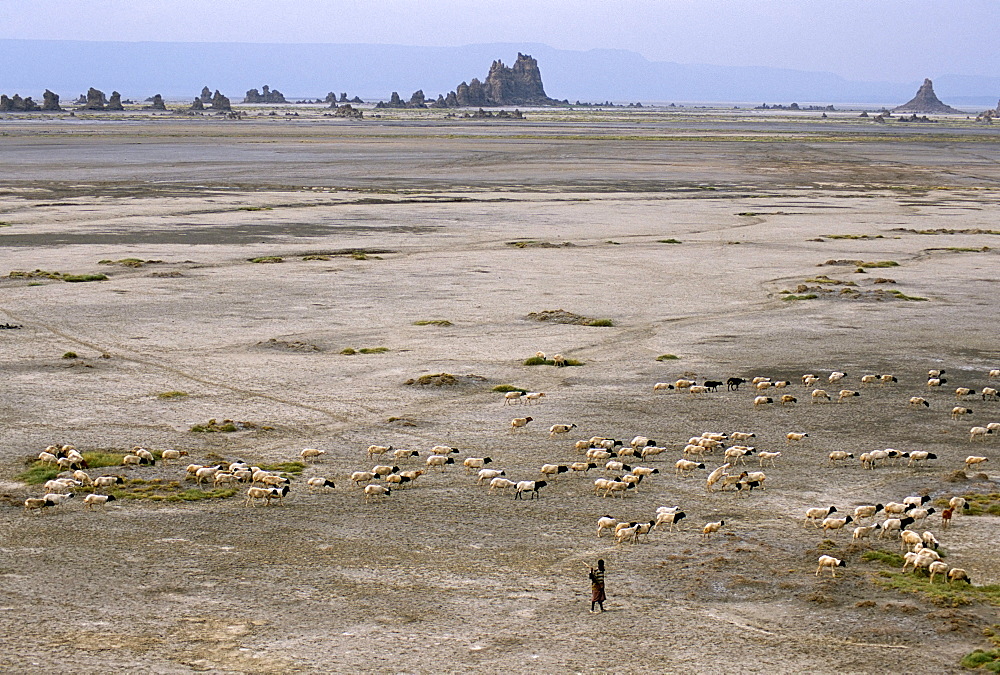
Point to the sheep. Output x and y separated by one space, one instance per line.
709 443
818 513
532 486
274 481
846 394
760 378
716 474
869 379
72 463
973 460
57 498
765 457
733 383
168 455
444 450
378 450
957 503
922 557
958 411
990 394
864 532
618 486
684 466
616 467
670 518
625 533
839 456
866 460
61 484
712 385
809 380
403 453
108 481
37 504
130 460
533 396
737 453
602 484
359 477
755 476
267 494
540 355
831 563
92 500
761 386
512 397
917 401
644 529
662 386
651 451
916 500
937 567
711 528
818 394
935 373
560 429
471 463
994 373
376 491
979 432
558 361
894 525
910 541
412 475
962 392
319 482
606 523
741 436
610 443
762 400
222 478
993 426
691 449
866 511
311 453
397 480
684 384
519 423
205 473
47 458
835 523
787 399
929 540
553 470
597 454
876 456
642 442
731 481
633 480
582 467
896 508
794 437
958 574
936 382
781 384
695 389
83 477
920 514
920 456
644 471
383 470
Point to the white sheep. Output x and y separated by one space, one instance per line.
488 475
319 482
500 484
626 533
809 380
606 523
439 461
553 470
684 466
935 373
787 399
836 377
765 457
818 394
929 540
130 460
108 481
741 436
582 467
378 450
532 486
711 528
645 471
670 518
974 460
762 400
795 437
651 451
716 474
935 382
817 514
909 540
662 386
58 498
979 432
831 563
471 463
93 500
598 455
374 491
866 511
937 567
958 574
962 392
47 458
994 373
37 504
917 401
560 429
311 453
403 453
920 456
519 423
168 455
839 456
864 532
359 477
533 396
267 494
990 394
846 394
512 397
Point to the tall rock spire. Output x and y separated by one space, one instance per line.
926 101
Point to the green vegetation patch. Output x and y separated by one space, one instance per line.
539 244
254 208
669 241
979 504
38 472
42 274
879 263
504 388
437 380
562 316
433 322
167 395
315 257
228 427
853 236
351 351
70 355
823 279
539 361
268 259
988 660
891 559
128 262
294 468
965 249
81 278
899 295
667 357
808 296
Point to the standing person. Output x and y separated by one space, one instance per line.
597 595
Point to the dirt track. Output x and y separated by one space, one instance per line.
444 577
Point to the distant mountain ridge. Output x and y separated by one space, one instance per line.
179 70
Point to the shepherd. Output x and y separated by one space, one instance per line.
597 595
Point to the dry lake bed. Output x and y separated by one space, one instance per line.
305 277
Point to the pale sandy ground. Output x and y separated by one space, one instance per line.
444 577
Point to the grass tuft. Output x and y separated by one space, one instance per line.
893 559
81 278
901 296
600 322
807 296
433 322
988 660
669 241
70 355
667 357
285 467
316 257
171 394
504 388
373 350
880 263
348 351
254 208
268 259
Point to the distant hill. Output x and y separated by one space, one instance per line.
180 70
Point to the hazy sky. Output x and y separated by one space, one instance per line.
895 40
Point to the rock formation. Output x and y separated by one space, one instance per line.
156 103
115 103
220 102
17 104
926 101
50 101
206 95
197 104
95 100
349 111
265 96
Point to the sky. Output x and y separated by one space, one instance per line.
870 40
